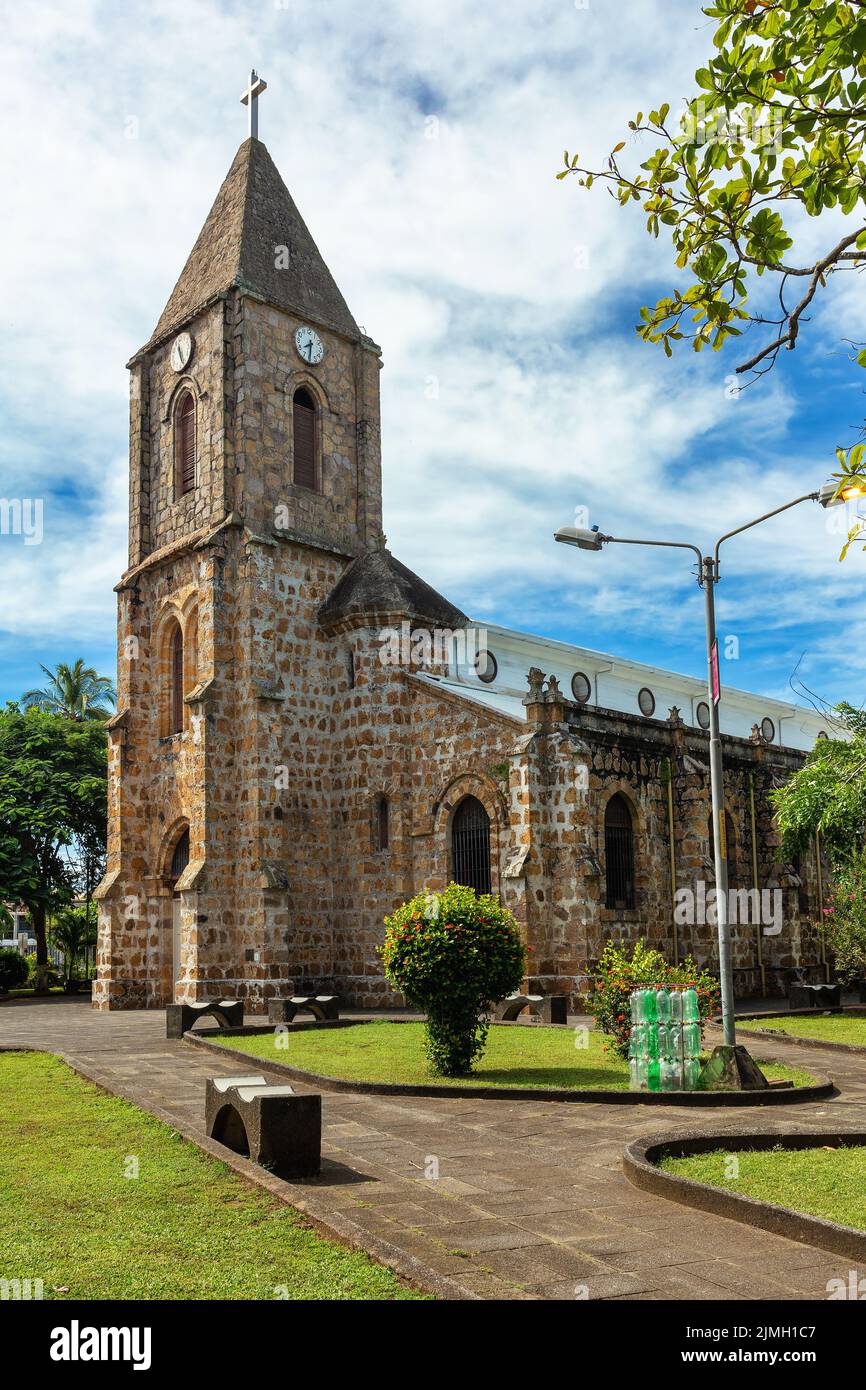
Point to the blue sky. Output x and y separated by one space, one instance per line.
421 144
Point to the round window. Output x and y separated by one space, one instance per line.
486 667
646 702
581 687
768 730
822 733
703 713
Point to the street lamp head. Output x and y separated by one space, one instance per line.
831 495
583 539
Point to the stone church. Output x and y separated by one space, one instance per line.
277 784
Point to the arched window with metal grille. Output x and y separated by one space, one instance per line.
176 676
304 471
185 443
470 845
180 857
619 853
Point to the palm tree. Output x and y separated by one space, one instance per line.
72 932
77 692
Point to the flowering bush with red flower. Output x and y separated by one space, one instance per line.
844 924
619 974
453 955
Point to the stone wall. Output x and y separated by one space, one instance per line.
294 728
232 563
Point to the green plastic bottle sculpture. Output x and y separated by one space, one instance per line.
690 1006
691 1072
653 1074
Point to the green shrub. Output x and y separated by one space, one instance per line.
453 955
52 979
845 921
13 969
618 974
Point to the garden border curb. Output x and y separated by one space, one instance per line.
782 1095
856 1049
640 1160
766 1035
329 1221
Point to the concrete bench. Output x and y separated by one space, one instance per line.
321 1006
179 1018
552 1008
271 1125
815 996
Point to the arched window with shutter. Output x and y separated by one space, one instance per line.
382 827
185 446
618 853
470 845
176 678
305 437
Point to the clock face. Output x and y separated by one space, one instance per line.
309 344
181 351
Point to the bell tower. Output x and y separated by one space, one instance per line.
254 480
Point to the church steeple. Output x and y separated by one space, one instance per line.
257 396
255 240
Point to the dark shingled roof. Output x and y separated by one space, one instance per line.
252 215
377 583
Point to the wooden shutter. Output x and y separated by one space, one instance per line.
177 682
304 467
186 445
382 826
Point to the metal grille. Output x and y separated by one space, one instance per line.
618 854
470 845
180 858
304 467
177 681
186 451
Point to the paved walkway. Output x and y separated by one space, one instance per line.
530 1201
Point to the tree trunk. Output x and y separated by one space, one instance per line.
37 917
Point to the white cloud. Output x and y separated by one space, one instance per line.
460 254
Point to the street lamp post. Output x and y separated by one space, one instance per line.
708 577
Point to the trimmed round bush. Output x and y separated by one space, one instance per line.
13 969
454 955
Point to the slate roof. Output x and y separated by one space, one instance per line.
252 215
377 583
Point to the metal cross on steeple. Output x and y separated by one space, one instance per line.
250 98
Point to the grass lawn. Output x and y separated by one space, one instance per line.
840 1028
821 1182
185 1228
527 1055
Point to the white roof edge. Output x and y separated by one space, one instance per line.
623 662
